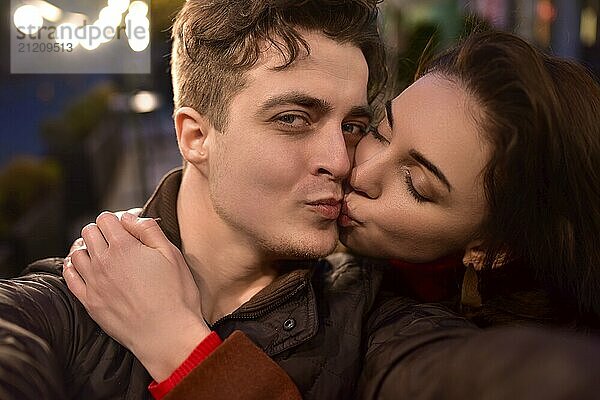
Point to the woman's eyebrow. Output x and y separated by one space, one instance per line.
365 111
420 158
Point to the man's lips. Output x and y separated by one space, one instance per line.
346 219
328 208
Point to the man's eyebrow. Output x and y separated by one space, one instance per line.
297 98
420 158
388 113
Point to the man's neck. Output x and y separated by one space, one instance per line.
227 269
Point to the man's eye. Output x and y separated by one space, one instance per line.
354 129
293 120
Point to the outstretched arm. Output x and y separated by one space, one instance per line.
424 351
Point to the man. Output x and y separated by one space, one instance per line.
264 126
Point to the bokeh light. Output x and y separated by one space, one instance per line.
138 31
144 102
119 5
28 19
138 8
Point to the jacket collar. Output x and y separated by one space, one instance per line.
163 204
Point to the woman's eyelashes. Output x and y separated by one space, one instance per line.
378 136
407 174
411 187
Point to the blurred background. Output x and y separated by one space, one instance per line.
72 146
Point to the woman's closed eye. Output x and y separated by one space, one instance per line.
412 189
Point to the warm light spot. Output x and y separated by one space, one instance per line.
77 19
138 8
144 102
49 11
110 17
589 26
119 5
28 19
137 28
139 45
546 11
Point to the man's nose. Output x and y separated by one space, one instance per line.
331 157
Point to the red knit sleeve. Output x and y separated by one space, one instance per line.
206 346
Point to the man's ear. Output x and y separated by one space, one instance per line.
475 254
195 135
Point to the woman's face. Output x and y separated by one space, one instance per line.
417 185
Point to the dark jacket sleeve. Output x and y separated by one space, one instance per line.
237 369
423 351
33 312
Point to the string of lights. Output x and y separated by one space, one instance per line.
76 30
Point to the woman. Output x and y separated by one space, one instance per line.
488 160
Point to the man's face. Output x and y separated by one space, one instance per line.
280 160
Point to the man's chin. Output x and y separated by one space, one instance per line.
313 252
301 244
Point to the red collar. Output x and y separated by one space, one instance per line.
430 282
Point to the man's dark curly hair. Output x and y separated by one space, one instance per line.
216 41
